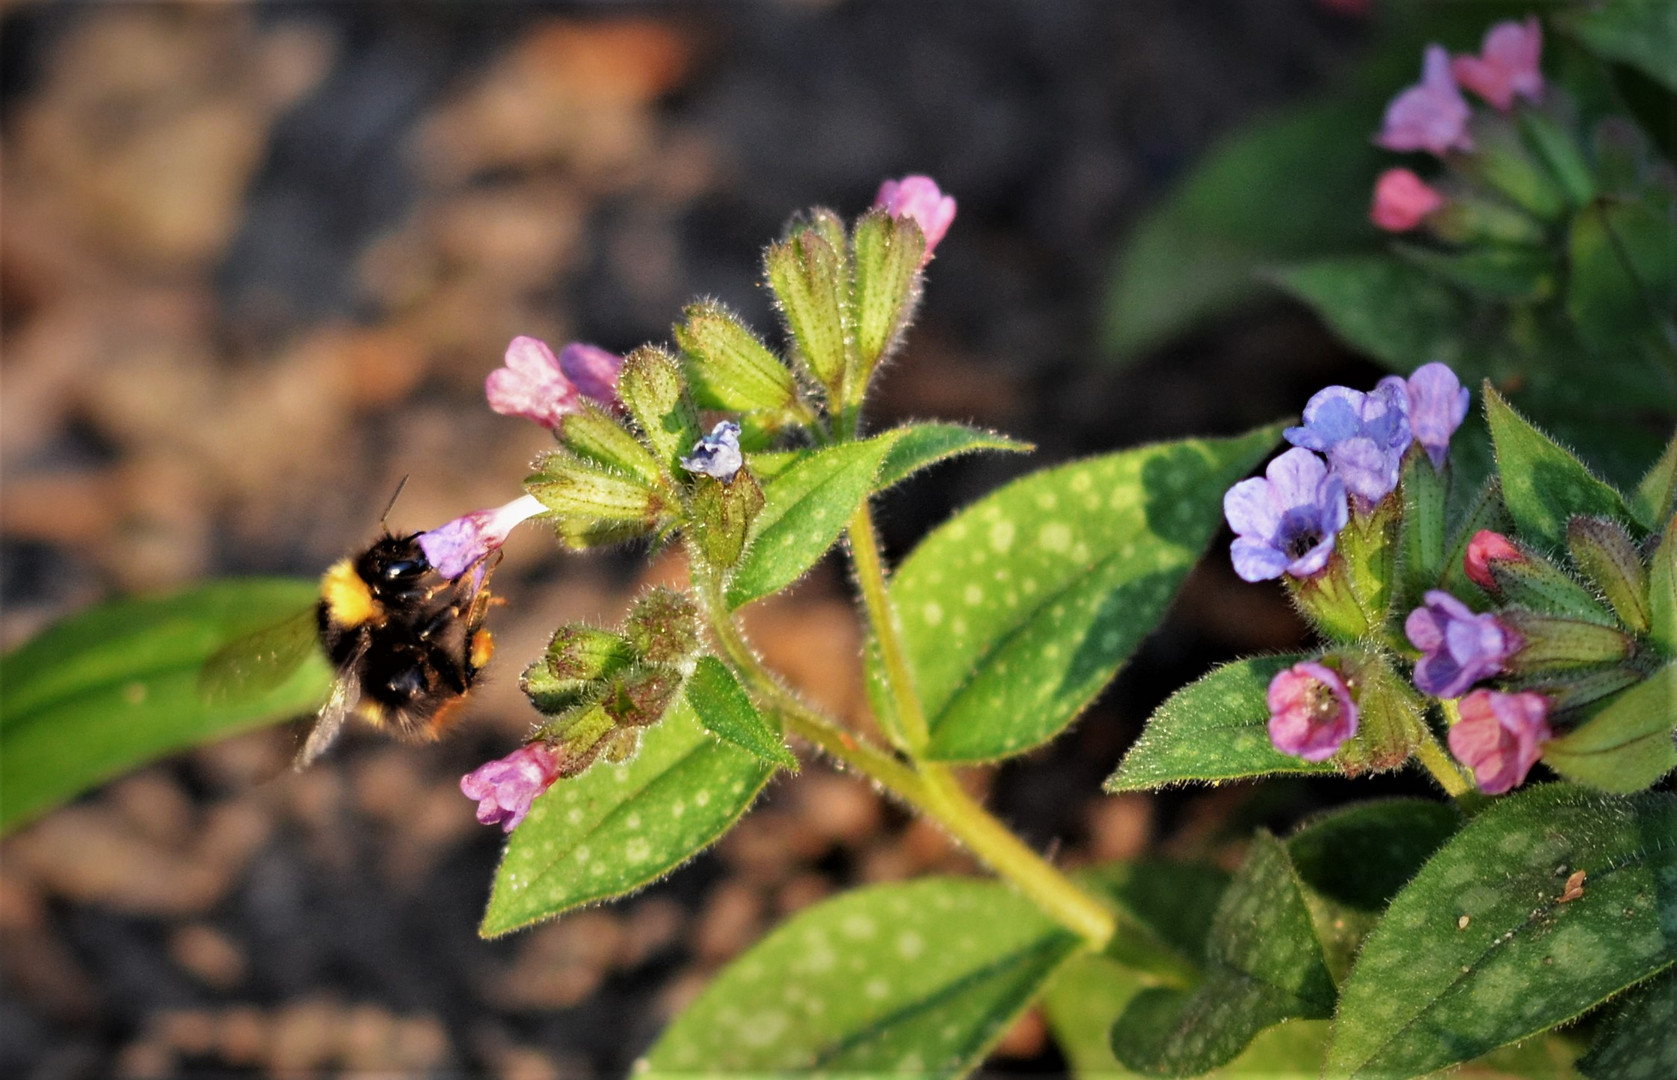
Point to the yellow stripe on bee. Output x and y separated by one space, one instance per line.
349 601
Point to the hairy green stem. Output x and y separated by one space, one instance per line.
927 787
1437 762
908 715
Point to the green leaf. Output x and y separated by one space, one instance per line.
1241 208
1210 730
918 978
1639 1039
118 685
1623 258
1652 502
921 445
1264 965
616 828
1395 312
807 506
1019 609
1171 903
1479 951
1492 271
724 708
1543 484
1090 992
1624 745
1641 33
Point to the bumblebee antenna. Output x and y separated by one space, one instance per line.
383 518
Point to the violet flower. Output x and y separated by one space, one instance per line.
1485 548
457 546
920 198
1286 520
717 454
1431 115
1506 65
1402 200
1500 736
1437 406
540 386
1311 714
505 788
1362 435
1460 647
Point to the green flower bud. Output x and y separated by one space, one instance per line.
655 393
728 367
887 253
585 654
1551 642
810 279
1606 556
595 435
722 516
638 698
1536 583
663 627
595 505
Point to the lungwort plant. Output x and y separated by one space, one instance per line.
1508 630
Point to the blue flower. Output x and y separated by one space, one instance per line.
1363 435
1437 407
717 454
1285 521
1460 647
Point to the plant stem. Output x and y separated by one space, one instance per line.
927 787
1438 763
909 714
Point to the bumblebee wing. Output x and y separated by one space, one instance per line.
250 666
329 722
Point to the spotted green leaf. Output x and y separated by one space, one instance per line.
1263 965
1213 729
912 979
921 445
1639 1039
807 505
1479 950
115 686
618 827
724 708
1018 610
1543 484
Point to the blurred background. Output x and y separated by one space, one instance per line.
256 260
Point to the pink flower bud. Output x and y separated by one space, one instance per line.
1500 736
918 197
1431 115
1402 200
1485 547
1311 714
505 788
1506 65
457 546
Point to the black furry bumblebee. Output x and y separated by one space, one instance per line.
405 643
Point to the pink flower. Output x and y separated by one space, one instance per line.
920 198
456 547
1506 64
1485 548
1311 714
1402 200
545 388
1499 737
505 788
1431 115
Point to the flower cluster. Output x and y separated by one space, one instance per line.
1433 116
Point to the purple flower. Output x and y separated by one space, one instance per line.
1363 435
593 371
1432 114
1437 406
1461 648
1506 64
1311 714
1285 521
717 454
540 386
456 547
505 788
920 198
1500 736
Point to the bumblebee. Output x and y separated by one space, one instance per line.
405 645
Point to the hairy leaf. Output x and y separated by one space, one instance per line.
917 978
724 708
1544 485
1480 950
1639 1039
115 686
618 827
1019 609
921 445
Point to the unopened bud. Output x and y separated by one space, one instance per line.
639 697
810 279
1607 557
1534 582
655 393
594 504
663 627
584 654
1549 642
722 516
595 435
728 367
888 252
1486 547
